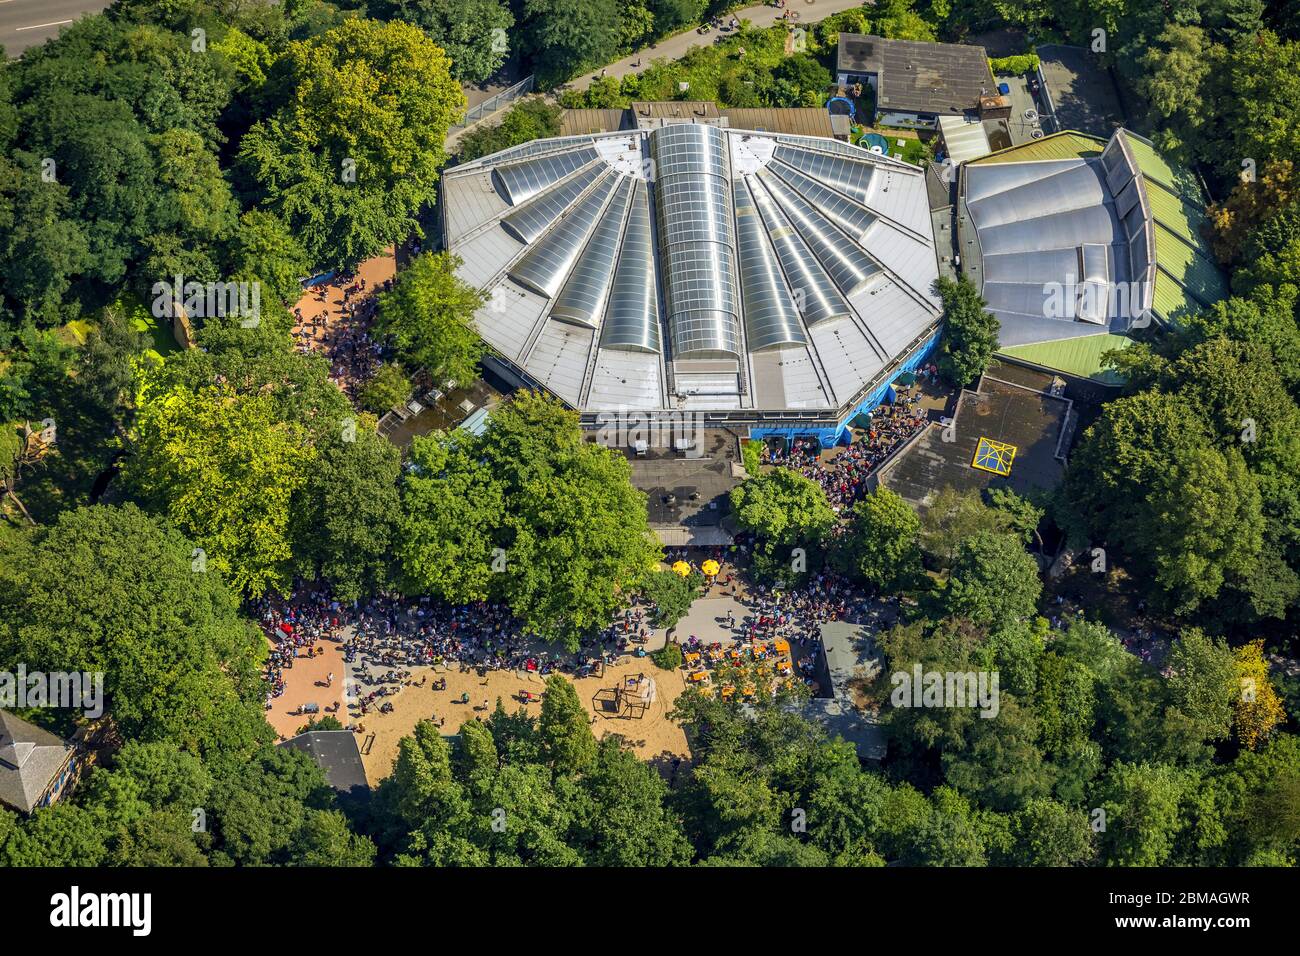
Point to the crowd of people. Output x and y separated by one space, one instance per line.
383 638
845 476
341 329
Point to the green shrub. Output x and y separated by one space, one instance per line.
527 120
389 387
751 454
328 722
1024 63
668 657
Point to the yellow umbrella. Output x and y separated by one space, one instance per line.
710 567
682 568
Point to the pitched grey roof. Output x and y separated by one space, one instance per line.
30 758
335 752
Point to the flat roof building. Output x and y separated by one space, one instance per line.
916 79
335 752
752 278
798 120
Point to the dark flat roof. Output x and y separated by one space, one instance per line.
1030 420
691 484
1083 93
916 76
795 120
335 752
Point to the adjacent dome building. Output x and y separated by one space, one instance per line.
1074 241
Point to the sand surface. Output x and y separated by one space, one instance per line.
652 736
303 683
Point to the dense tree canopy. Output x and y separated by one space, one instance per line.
427 315
530 513
115 591
354 146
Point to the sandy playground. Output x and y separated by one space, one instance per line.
652 736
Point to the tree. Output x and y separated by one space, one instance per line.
970 331
565 728
672 595
1173 70
114 591
389 387
1256 707
627 821
529 119
1002 766
1023 514
1262 86
324 839
1250 204
1206 526
567 36
1141 803
783 508
1264 318
1146 479
189 444
106 365
428 315
1048 833
263 249
43 248
531 514
953 516
880 543
451 512
472 32
993 581
61 835
353 147
345 524
1202 687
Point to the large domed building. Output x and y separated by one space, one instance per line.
761 279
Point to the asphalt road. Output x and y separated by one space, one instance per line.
27 23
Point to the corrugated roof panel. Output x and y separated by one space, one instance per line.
770 315
548 262
815 295
848 176
527 223
848 266
582 299
520 182
632 314
854 219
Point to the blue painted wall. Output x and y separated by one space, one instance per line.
840 433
